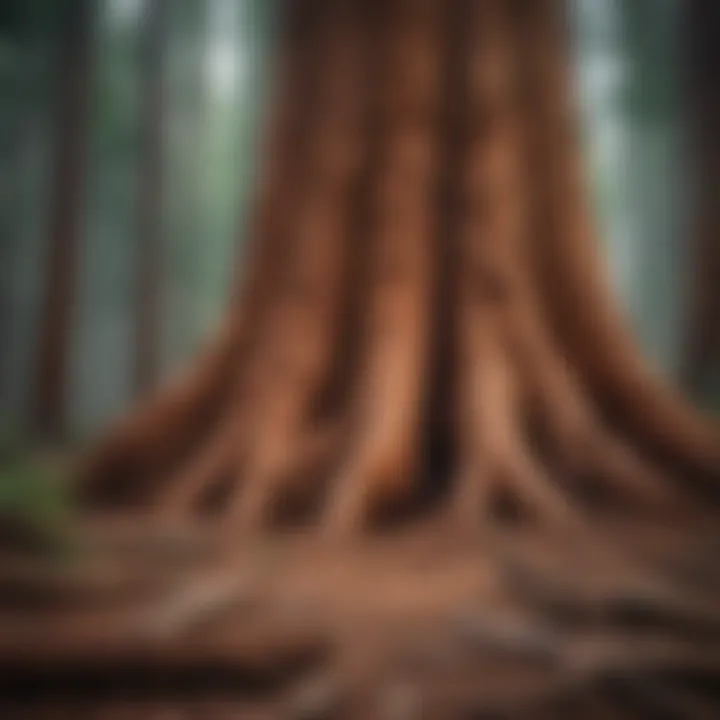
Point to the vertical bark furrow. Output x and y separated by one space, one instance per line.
331 402
394 366
439 457
304 325
489 399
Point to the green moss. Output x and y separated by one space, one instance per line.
36 509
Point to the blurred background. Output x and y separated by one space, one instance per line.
128 138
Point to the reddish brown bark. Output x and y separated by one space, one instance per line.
435 144
424 328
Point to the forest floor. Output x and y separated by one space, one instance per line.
432 621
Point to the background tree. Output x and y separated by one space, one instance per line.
65 216
630 58
702 346
148 308
188 134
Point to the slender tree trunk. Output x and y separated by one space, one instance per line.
703 325
426 306
65 222
10 231
196 208
148 307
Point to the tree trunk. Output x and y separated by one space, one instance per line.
65 222
703 329
425 334
148 308
190 281
426 318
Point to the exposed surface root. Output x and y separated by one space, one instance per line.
218 457
430 622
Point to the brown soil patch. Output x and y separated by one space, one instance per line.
431 622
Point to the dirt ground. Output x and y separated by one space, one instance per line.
432 622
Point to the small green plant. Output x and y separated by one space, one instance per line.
35 503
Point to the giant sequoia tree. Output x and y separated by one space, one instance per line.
424 319
73 93
424 333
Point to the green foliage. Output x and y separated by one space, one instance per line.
35 502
